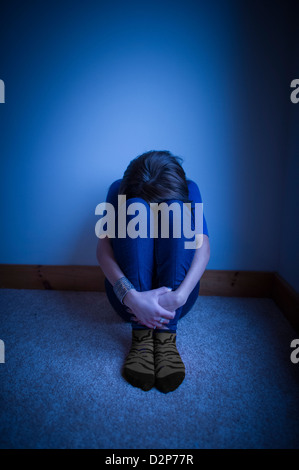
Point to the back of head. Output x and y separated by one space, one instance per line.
155 176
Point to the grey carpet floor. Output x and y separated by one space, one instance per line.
61 384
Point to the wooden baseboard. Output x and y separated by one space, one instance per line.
213 282
287 299
91 278
77 278
236 283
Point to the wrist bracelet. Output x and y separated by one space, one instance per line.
122 287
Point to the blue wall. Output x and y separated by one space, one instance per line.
91 84
289 252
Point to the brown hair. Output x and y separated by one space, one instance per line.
155 176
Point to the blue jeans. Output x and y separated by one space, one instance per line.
152 262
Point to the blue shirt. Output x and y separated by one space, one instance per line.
194 196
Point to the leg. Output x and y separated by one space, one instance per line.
173 261
135 257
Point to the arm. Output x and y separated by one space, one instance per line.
107 261
177 298
143 305
196 270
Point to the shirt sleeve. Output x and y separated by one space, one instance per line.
113 193
195 196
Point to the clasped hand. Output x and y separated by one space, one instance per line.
149 307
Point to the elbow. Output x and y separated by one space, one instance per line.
103 250
99 253
208 256
207 249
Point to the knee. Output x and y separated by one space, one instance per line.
175 209
139 200
173 217
137 205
